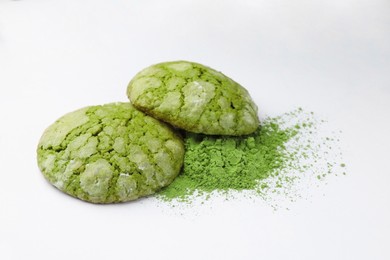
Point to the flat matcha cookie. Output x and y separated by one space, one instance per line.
110 153
195 98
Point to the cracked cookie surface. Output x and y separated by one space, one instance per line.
110 153
195 98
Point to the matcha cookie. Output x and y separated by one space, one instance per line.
110 153
195 98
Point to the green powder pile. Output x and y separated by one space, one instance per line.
219 163
283 151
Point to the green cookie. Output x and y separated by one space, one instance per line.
195 98
110 153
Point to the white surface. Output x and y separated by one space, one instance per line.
331 57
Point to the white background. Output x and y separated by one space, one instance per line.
331 57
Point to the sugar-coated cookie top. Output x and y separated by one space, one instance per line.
109 153
195 98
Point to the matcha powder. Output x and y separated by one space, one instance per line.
271 159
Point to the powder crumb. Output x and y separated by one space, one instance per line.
286 155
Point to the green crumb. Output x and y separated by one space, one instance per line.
342 165
223 164
284 154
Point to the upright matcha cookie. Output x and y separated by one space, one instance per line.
110 153
195 98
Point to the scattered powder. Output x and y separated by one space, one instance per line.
285 153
